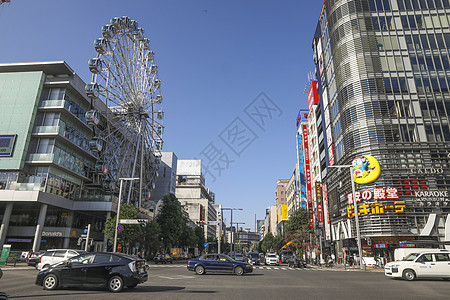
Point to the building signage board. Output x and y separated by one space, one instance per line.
366 169
313 95
7 144
432 198
319 203
52 233
302 116
19 240
308 177
326 213
301 166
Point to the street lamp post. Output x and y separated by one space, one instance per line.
358 234
230 209
118 209
237 228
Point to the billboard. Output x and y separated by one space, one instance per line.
7 144
366 169
302 116
308 176
313 95
326 212
319 203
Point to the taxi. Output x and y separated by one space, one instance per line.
432 264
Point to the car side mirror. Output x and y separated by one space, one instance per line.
69 264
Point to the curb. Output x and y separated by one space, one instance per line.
348 270
17 268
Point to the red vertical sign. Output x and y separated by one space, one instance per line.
308 176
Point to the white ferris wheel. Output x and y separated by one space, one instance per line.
128 129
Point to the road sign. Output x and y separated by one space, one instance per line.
83 235
137 244
120 228
206 245
85 231
214 223
133 221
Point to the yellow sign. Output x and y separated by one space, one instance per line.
282 213
366 169
376 208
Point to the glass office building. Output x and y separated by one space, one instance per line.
48 186
383 69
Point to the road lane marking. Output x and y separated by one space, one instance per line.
176 277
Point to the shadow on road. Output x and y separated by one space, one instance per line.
49 295
94 291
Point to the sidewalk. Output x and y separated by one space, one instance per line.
341 268
19 266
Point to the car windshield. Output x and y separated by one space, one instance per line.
411 257
271 255
238 255
254 255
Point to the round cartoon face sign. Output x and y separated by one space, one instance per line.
366 169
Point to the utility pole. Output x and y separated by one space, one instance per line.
88 234
220 232
237 228
231 228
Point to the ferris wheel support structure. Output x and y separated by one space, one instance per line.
128 130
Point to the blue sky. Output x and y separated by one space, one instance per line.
215 58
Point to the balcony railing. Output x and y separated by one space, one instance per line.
40 157
48 129
53 104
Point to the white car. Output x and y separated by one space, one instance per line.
272 259
53 256
427 264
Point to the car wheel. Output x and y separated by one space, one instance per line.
238 271
132 286
50 282
409 275
115 284
200 270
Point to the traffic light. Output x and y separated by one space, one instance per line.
201 223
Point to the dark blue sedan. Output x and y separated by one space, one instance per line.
218 263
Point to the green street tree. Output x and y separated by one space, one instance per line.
131 233
297 220
151 242
267 242
198 231
170 220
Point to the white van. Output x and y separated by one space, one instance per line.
435 263
53 256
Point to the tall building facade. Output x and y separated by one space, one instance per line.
48 192
281 203
382 70
166 181
195 198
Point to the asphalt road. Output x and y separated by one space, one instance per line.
176 282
